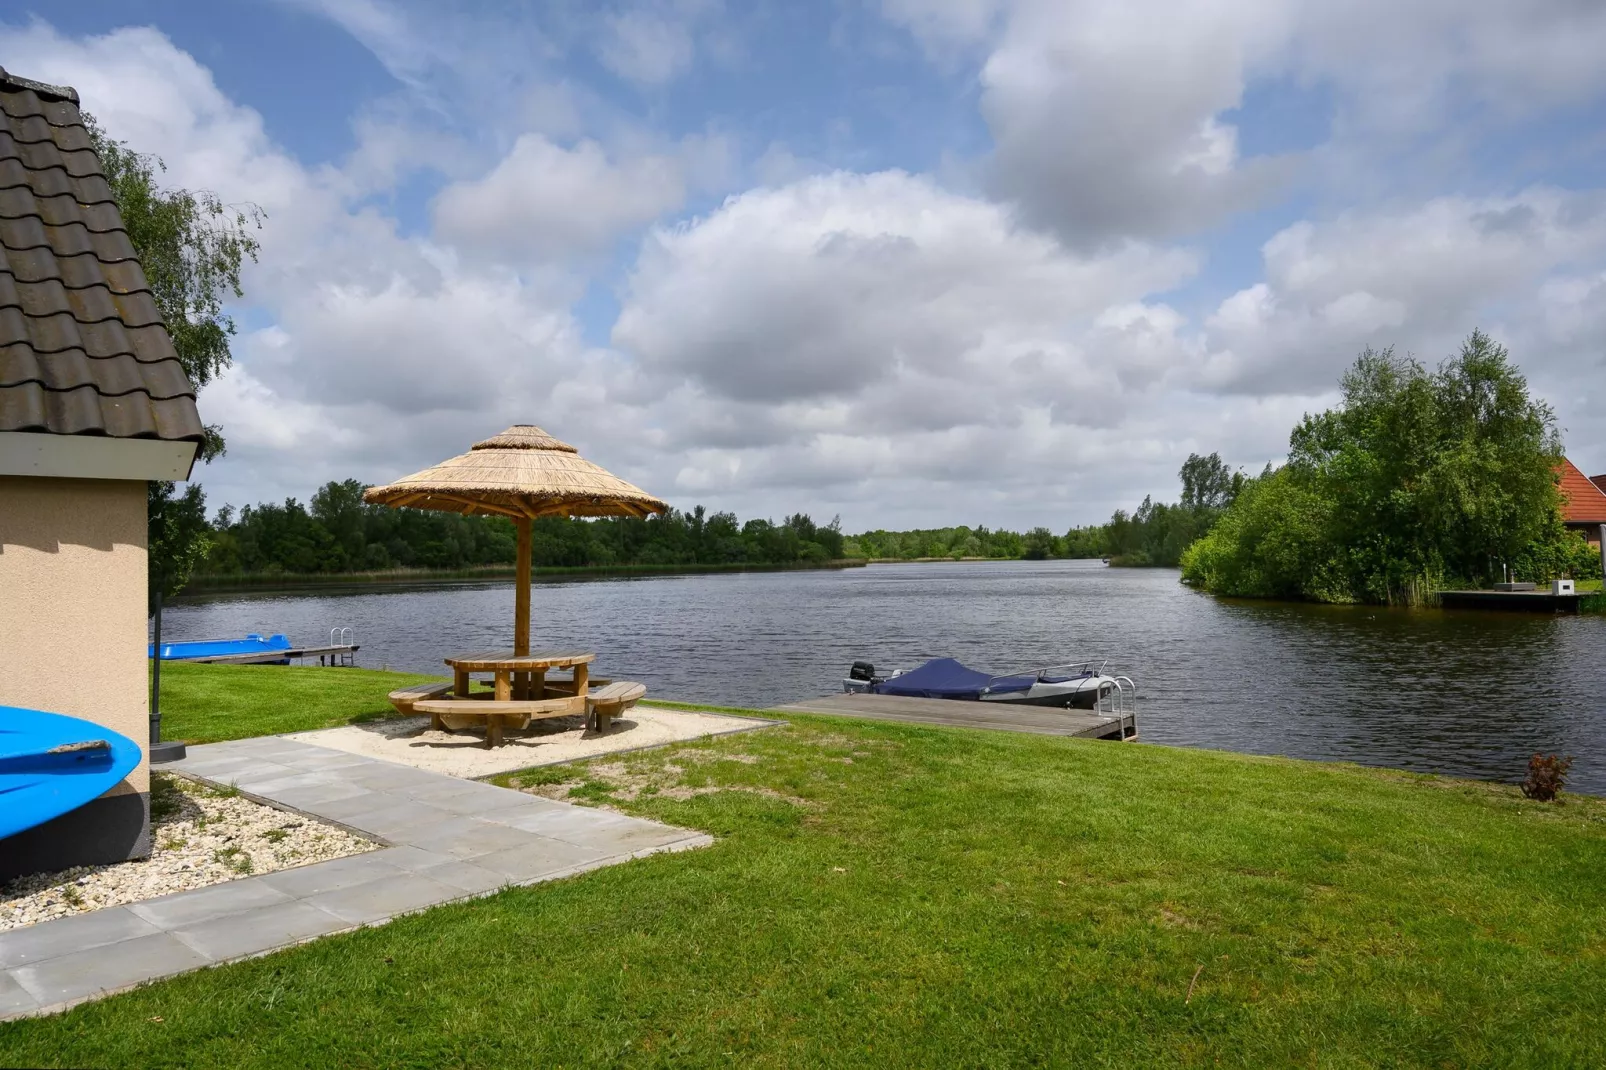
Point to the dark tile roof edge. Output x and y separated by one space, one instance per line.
71 379
59 92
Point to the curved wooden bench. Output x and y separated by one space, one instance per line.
606 703
557 688
456 713
406 698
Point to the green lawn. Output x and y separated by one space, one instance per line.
904 896
208 703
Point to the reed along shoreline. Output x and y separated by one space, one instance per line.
290 581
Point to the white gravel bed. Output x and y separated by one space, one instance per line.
199 836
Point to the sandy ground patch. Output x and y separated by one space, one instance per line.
199 836
562 739
602 783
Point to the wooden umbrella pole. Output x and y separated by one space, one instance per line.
521 591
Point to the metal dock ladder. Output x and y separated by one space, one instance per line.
342 647
1121 703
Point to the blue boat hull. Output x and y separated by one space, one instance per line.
51 765
217 648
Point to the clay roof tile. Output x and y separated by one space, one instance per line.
1584 502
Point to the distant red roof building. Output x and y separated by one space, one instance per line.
1583 501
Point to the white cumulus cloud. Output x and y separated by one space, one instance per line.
544 201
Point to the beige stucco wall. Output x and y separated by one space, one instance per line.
72 603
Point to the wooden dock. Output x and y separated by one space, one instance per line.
340 654
954 713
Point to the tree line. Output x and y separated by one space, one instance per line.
339 532
1156 533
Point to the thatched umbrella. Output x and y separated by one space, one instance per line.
522 473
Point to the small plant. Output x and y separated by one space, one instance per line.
166 798
541 775
235 859
274 835
594 791
71 894
230 792
1547 773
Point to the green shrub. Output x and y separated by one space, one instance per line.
1272 543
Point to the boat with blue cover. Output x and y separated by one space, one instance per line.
51 764
220 648
1079 686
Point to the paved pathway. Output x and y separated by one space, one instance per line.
446 838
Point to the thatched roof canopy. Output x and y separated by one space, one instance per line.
523 472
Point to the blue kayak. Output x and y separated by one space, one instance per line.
217 648
51 765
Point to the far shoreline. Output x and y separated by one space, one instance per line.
203 586
265 582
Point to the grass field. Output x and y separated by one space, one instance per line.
904 896
210 703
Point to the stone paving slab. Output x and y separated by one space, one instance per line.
304 798
280 924
365 904
15 1000
203 904
83 974
52 939
538 861
443 839
483 838
306 881
472 879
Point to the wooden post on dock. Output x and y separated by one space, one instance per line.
521 591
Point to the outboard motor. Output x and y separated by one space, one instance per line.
862 670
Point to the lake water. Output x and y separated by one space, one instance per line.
1464 693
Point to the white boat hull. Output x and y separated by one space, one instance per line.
1078 693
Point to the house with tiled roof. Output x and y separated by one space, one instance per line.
1583 506
93 404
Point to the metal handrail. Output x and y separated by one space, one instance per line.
1075 667
342 637
1128 705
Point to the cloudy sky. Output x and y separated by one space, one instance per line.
913 262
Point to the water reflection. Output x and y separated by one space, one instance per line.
1464 692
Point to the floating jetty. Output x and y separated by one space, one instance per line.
958 713
1530 601
338 654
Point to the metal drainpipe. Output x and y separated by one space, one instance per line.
156 679
159 751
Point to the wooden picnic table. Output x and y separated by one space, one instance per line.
519 676
520 688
